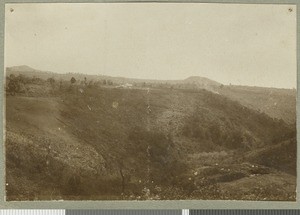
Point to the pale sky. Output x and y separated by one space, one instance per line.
230 43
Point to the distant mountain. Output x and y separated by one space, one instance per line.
201 81
22 68
28 71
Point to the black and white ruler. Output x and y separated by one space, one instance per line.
148 212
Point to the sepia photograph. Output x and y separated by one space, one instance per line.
150 101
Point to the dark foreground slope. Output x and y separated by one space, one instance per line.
107 143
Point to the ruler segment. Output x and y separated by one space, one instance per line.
124 212
244 212
31 212
185 212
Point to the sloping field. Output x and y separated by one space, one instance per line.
277 103
40 151
106 143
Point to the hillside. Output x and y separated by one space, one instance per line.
277 103
98 142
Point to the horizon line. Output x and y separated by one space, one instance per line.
150 79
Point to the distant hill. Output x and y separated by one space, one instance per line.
22 68
29 72
197 81
277 103
201 81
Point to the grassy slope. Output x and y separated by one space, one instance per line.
39 151
277 103
87 132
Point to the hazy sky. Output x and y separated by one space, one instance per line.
229 43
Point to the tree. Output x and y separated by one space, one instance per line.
51 81
73 80
60 84
13 85
12 76
22 79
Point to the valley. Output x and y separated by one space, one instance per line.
99 142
